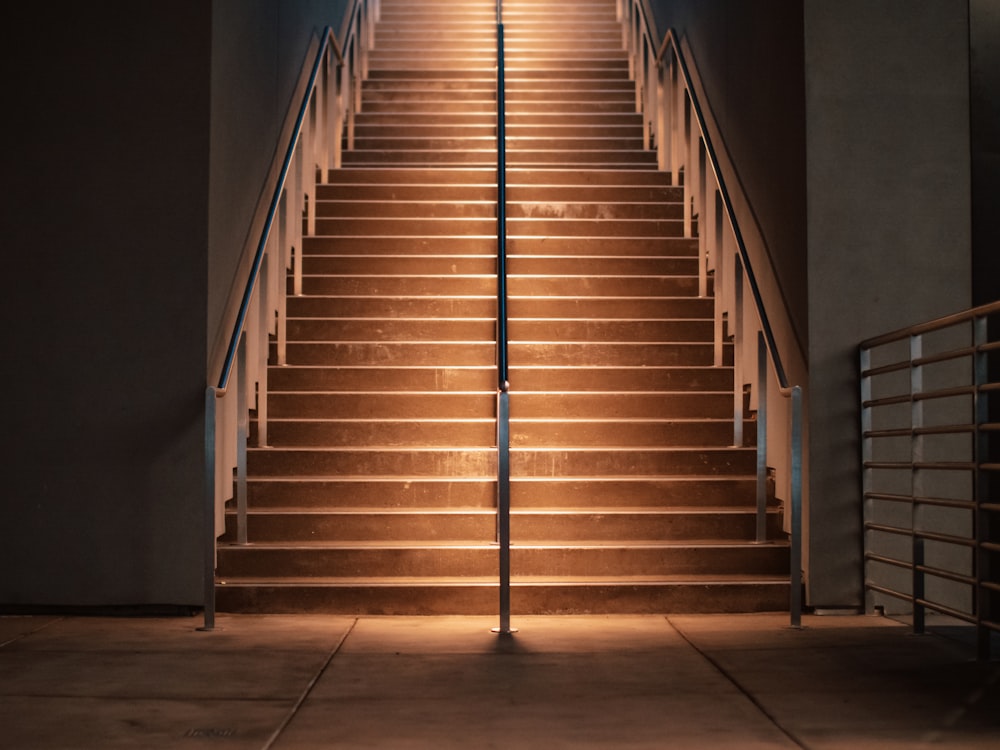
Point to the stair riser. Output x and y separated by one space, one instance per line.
395 286
596 331
552 599
467 207
543 493
443 432
387 354
518 265
572 246
463 207
485 307
595 355
584 330
400 492
391 329
358 378
624 380
516 145
385 433
595 462
480 527
439 462
479 154
525 379
611 405
602 286
391 307
399 245
595 228
381 405
526 462
622 287
583 433
482 561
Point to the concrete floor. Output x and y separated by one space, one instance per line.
282 682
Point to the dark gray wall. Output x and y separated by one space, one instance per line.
750 59
889 227
131 166
984 40
106 230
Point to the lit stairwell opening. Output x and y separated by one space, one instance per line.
377 493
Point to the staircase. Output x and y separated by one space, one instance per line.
377 491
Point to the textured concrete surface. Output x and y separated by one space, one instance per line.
698 681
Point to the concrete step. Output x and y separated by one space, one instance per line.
484 306
480 560
393 353
470 525
571 493
482 244
423 432
683 594
584 354
386 378
539 208
483 378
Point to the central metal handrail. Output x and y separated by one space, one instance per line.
503 384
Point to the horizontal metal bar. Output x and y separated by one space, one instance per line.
933 325
886 369
946 610
959 541
888 591
947 574
872 557
941 502
887 401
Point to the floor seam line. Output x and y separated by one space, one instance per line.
746 693
30 633
309 688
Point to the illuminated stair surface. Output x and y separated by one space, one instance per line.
377 491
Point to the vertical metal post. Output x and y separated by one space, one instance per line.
265 306
241 441
761 438
503 387
796 517
739 358
867 455
984 597
503 507
916 486
208 567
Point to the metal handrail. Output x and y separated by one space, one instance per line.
328 40
768 353
314 141
896 385
503 384
945 321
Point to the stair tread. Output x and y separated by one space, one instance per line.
694 579
396 544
